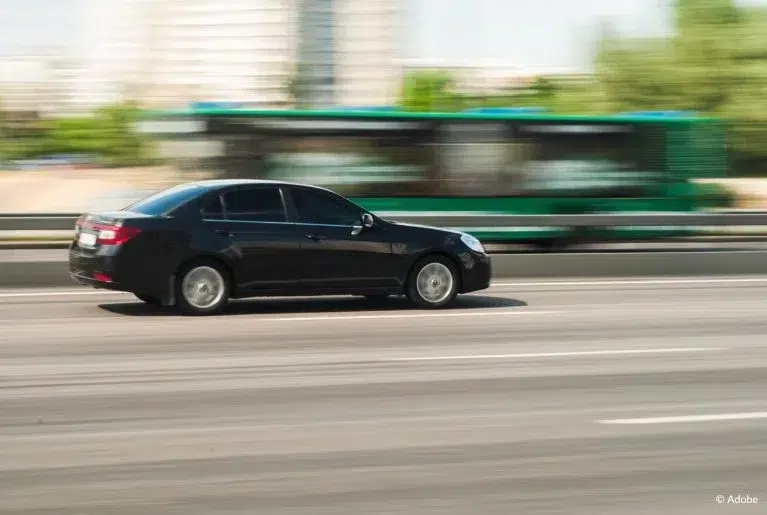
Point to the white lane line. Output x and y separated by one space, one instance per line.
448 313
566 354
686 418
58 293
616 282
619 282
73 372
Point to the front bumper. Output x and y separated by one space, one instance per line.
477 271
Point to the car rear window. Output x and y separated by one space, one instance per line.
167 200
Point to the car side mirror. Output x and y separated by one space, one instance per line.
366 222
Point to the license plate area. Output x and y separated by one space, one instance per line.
87 240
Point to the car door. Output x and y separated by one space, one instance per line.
264 243
335 255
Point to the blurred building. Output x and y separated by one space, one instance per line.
267 53
315 80
348 52
370 37
115 43
170 53
44 81
197 50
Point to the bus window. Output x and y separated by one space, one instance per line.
360 165
477 159
566 160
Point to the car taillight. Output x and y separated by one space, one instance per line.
103 278
115 234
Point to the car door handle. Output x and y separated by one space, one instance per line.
315 237
225 232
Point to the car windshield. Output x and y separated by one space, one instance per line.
164 201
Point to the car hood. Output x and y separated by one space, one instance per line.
428 227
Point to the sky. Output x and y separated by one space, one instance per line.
28 23
549 33
521 33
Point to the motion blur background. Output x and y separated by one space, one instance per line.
76 74
582 381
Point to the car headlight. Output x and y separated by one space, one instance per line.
472 242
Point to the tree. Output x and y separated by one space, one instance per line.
3 135
108 133
295 86
120 144
715 64
427 91
544 89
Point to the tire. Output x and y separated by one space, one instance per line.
202 288
427 294
153 301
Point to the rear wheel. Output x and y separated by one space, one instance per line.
433 282
154 301
202 288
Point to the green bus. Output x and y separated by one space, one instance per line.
399 163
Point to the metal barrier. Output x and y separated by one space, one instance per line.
587 220
59 222
51 269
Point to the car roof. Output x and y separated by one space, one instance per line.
213 184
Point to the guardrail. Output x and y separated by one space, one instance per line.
51 269
58 222
588 220
37 222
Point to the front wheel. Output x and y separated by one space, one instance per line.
433 282
202 288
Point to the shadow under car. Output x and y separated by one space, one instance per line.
296 305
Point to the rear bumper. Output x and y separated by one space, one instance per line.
105 269
86 280
477 271
93 269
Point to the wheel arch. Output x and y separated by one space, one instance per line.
442 253
209 258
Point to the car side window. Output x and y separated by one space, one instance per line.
263 204
213 208
316 207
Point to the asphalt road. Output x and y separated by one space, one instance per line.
616 397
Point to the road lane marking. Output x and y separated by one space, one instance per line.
58 293
78 374
616 282
565 354
445 313
686 418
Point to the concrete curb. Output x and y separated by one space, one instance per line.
16 273
626 264
35 274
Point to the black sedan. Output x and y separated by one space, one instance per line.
196 245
